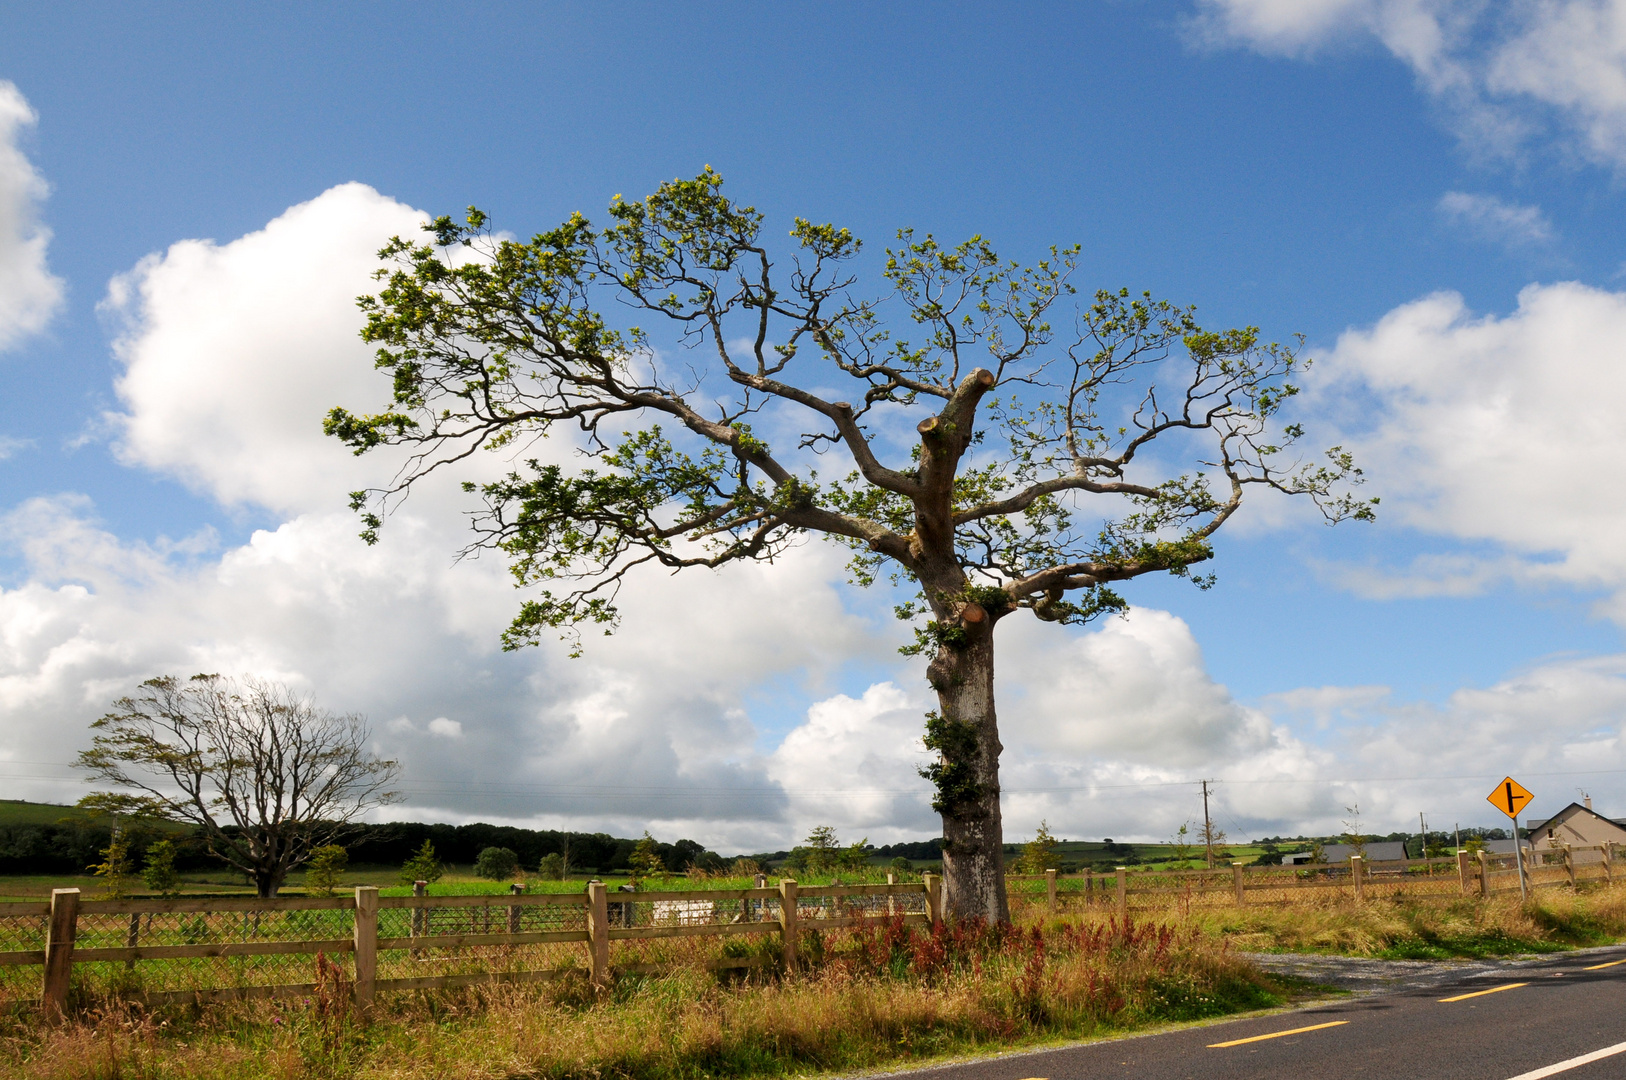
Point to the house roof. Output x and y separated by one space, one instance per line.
1572 810
1378 851
1501 847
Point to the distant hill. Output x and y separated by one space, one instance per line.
21 812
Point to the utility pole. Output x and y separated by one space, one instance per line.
1422 825
1208 827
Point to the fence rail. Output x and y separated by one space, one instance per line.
237 947
241 947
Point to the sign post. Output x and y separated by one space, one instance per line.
1510 797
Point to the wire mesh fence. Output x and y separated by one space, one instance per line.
244 945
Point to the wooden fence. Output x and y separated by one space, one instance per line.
1127 890
240 947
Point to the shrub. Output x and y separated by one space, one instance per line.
423 866
1038 854
116 865
326 864
496 864
159 872
552 867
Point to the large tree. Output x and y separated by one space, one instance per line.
994 453
263 772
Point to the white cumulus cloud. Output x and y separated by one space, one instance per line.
1503 429
233 352
29 294
1499 71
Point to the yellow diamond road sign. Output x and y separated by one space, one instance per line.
1509 797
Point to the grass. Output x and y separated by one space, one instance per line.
458 881
1411 929
884 996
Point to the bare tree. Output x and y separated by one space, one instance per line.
1020 429
265 774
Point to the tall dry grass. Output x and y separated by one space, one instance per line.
1413 928
878 996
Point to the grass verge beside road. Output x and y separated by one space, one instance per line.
882 996
1411 929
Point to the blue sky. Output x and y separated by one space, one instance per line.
1321 168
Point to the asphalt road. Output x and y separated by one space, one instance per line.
1520 1023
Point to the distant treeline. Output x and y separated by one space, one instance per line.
914 851
393 844
72 847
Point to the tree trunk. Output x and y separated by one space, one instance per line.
973 836
266 883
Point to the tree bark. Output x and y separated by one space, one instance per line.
267 883
973 834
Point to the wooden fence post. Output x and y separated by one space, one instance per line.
1123 892
1609 861
513 912
1357 874
598 930
1462 870
1050 889
419 890
366 943
1237 882
891 901
787 921
934 897
59 951
1569 865
1484 874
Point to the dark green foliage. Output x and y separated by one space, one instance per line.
422 866
953 774
497 864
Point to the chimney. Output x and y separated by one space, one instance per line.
1588 799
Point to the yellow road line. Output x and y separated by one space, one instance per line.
1600 967
1482 993
1277 1034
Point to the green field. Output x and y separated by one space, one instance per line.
19 812
1071 856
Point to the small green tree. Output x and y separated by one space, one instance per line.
159 873
496 864
423 866
116 865
646 859
902 865
552 867
820 852
326 864
1180 842
1038 854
